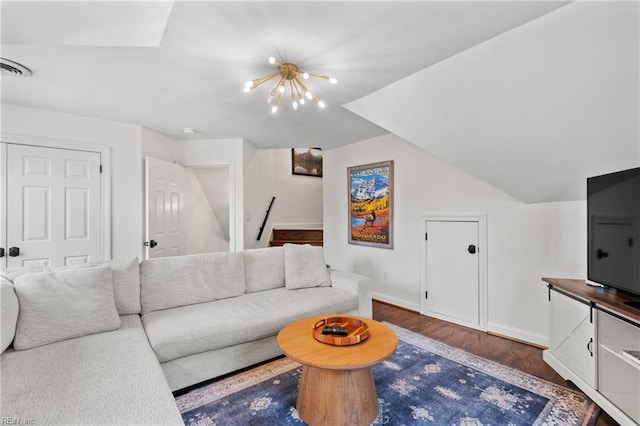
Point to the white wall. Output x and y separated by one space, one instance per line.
159 146
526 241
298 198
124 141
202 231
214 182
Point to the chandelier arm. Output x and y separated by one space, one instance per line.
318 76
275 89
295 85
301 84
258 81
291 89
278 99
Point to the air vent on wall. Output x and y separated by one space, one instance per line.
13 69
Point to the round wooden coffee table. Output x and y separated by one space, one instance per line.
337 386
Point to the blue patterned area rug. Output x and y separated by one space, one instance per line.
424 382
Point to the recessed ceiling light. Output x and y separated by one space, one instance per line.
189 130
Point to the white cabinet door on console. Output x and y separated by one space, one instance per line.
572 335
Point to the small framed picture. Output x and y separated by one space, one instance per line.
306 161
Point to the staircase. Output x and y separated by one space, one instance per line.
296 236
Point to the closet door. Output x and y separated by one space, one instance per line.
53 206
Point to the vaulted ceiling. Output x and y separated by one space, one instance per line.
512 92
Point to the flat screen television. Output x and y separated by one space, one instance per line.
613 236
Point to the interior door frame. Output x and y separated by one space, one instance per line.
481 219
236 214
105 178
3 198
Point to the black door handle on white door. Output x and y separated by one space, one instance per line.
14 251
471 249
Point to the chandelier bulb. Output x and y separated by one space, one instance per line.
248 84
274 109
321 104
308 95
269 99
302 100
332 80
295 105
272 60
246 90
281 89
305 75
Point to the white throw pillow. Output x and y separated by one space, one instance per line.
60 305
263 268
304 267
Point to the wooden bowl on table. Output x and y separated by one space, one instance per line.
357 331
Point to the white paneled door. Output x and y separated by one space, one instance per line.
53 206
163 182
452 272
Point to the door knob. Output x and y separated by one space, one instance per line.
14 251
471 249
1 251
601 253
153 243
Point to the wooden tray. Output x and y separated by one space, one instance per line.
358 331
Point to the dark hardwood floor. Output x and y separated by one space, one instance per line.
513 354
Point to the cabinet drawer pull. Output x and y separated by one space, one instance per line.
589 346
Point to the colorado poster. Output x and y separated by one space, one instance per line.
371 204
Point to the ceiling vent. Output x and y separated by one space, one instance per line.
13 69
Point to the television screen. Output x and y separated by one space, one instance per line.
613 209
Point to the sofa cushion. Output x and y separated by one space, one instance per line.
126 285
110 378
168 282
264 268
64 304
9 313
126 280
228 277
228 322
304 267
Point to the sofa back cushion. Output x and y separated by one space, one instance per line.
64 304
304 267
264 268
168 282
126 280
9 313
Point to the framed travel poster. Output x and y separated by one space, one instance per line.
306 161
371 204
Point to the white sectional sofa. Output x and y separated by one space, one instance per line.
106 344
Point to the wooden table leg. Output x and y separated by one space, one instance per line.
337 397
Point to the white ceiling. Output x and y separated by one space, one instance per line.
193 76
530 96
534 111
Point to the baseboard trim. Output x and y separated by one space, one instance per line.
525 342
518 336
395 302
411 311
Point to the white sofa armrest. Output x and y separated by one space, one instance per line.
356 284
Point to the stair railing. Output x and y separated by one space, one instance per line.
266 216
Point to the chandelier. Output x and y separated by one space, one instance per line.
289 78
